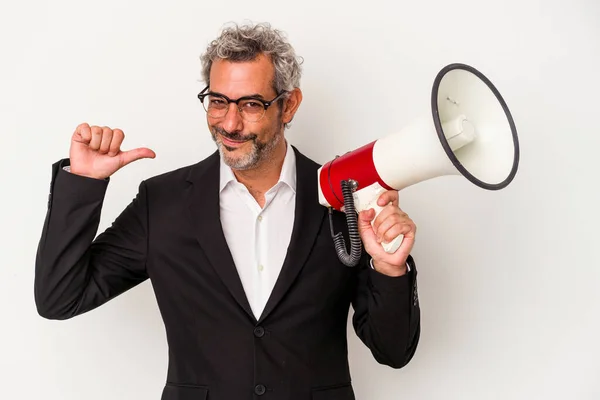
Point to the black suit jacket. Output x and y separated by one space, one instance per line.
171 233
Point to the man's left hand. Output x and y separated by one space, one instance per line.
390 222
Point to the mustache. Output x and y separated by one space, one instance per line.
234 136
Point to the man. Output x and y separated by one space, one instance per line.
253 296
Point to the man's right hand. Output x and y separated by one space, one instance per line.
96 151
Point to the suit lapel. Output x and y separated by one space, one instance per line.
307 221
203 205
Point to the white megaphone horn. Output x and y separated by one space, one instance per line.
469 132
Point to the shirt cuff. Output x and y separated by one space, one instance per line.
371 263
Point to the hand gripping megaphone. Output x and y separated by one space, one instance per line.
469 132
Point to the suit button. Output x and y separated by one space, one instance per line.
260 389
259 331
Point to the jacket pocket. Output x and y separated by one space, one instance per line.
337 392
174 391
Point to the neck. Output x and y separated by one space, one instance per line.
265 175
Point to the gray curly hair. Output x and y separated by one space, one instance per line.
246 42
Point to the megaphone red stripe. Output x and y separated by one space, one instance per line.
357 165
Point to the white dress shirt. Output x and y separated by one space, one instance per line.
258 238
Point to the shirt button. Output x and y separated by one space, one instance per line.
260 267
259 218
260 389
259 331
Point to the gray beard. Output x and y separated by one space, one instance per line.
259 153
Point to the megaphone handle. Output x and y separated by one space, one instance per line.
366 198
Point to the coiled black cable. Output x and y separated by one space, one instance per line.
351 259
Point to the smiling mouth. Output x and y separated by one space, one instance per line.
235 141
231 143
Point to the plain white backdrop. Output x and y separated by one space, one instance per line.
509 281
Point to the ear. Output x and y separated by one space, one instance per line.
291 104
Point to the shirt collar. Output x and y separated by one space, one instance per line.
287 175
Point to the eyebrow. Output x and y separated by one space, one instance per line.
256 95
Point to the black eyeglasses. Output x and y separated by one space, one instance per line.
251 108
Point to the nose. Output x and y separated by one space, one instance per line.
233 121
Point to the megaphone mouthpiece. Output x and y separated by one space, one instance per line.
458 132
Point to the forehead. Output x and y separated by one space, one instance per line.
242 78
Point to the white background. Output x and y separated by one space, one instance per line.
509 280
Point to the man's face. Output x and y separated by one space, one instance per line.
244 145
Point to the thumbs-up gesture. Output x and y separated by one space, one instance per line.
96 151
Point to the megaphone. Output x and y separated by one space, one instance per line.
469 131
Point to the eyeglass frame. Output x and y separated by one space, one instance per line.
266 104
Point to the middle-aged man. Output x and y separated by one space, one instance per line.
239 251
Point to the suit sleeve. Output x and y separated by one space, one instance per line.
75 273
387 314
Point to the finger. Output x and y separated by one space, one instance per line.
406 229
406 247
96 138
115 144
364 221
389 196
83 133
387 212
136 154
107 135
392 220
391 233
365 217
365 229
